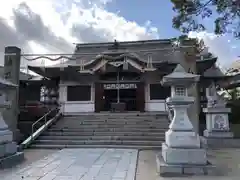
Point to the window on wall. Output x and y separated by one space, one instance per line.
158 92
180 91
79 93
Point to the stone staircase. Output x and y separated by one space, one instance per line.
128 130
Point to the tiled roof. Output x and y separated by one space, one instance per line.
22 75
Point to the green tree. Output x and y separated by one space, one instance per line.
191 13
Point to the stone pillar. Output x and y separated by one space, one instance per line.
217 123
181 151
8 149
11 73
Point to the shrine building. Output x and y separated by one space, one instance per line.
123 76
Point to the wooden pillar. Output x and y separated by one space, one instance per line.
141 97
99 101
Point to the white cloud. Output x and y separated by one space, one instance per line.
54 25
221 46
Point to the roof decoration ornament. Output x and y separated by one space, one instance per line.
176 43
115 45
116 63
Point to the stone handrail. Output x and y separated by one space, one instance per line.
46 124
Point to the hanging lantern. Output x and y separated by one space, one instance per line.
125 63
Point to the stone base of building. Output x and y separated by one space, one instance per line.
209 142
176 170
9 155
217 134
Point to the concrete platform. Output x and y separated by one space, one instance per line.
167 170
11 160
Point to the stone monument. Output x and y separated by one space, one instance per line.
8 149
12 61
217 123
181 151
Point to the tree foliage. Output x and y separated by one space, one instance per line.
192 13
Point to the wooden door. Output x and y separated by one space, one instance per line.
99 92
141 97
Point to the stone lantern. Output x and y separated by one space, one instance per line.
8 148
181 151
217 132
217 123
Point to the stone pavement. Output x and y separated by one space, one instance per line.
227 160
79 164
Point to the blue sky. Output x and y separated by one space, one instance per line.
160 14
52 26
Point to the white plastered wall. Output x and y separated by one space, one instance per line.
75 107
152 105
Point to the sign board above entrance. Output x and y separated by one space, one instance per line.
120 86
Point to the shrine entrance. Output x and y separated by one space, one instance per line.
124 94
130 96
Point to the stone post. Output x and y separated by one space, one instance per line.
181 151
217 123
8 149
11 73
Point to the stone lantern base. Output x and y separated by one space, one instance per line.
183 161
8 149
217 127
173 170
9 155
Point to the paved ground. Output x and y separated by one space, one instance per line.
79 164
227 160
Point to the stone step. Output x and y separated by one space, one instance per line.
107 114
111 137
125 129
58 146
116 121
105 133
94 126
99 142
